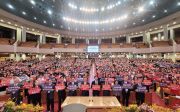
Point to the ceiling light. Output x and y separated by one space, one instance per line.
102 9
49 12
165 11
35 18
44 22
141 9
143 20
2 20
153 16
174 22
33 2
9 22
151 2
10 6
24 13
53 24
178 3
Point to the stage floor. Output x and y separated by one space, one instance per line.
93 102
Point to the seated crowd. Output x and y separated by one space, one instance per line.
70 77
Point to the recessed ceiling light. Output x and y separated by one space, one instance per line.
24 13
9 22
151 2
2 20
165 11
35 18
141 9
10 6
134 23
33 2
153 16
174 22
143 20
44 22
53 24
178 3
49 12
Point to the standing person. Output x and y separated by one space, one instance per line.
33 92
85 88
27 86
140 92
117 90
60 88
106 88
96 86
14 90
49 88
72 87
126 91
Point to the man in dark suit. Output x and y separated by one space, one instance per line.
96 82
85 87
49 88
72 87
126 91
140 92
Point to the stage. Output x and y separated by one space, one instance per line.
92 102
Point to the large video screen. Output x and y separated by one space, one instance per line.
93 49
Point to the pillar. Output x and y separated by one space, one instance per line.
144 37
43 39
87 41
23 34
165 31
73 40
59 39
18 57
159 36
23 56
148 37
113 40
18 34
172 35
12 56
99 41
128 39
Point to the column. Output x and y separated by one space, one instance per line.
87 41
165 28
159 36
113 40
144 37
59 39
99 41
43 39
128 39
172 35
23 34
18 34
148 37
73 40
18 57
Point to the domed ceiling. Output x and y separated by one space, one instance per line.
91 16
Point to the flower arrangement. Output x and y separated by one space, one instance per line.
143 108
11 107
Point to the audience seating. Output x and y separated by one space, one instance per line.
105 46
6 41
27 44
126 45
46 46
142 45
59 46
177 40
161 43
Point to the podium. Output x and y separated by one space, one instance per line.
93 102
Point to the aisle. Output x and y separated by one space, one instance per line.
91 76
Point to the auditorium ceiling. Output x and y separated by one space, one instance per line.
91 16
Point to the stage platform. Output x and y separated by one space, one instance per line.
93 102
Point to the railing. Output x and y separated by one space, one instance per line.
14 48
